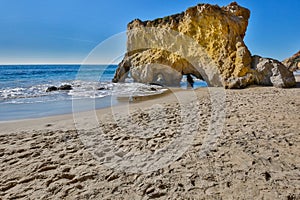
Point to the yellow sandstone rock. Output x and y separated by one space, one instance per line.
205 41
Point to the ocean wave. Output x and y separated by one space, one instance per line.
26 92
80 89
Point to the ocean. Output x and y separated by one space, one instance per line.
23 89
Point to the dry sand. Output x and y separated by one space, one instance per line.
255 156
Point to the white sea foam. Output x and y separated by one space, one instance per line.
81 89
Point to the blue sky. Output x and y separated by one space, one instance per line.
66 31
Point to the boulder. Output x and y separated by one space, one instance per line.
205 41
271 72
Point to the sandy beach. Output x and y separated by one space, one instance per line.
162 100
254 156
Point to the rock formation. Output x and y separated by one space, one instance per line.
205 41
293 63
271 72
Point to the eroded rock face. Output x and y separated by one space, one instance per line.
293 63
205 41
271 72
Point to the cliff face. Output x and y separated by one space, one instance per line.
205 41
293 63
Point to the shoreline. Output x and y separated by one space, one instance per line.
100 103
66 121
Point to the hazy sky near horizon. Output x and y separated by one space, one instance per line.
66 31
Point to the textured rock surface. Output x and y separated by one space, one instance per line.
271 72
212 47
205 41
293 63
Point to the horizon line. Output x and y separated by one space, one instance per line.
58 64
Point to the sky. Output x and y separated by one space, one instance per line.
67 31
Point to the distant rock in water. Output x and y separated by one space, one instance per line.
293 63
65 87
51 89
62 87
271 72
205 41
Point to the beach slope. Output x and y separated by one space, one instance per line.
255 156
